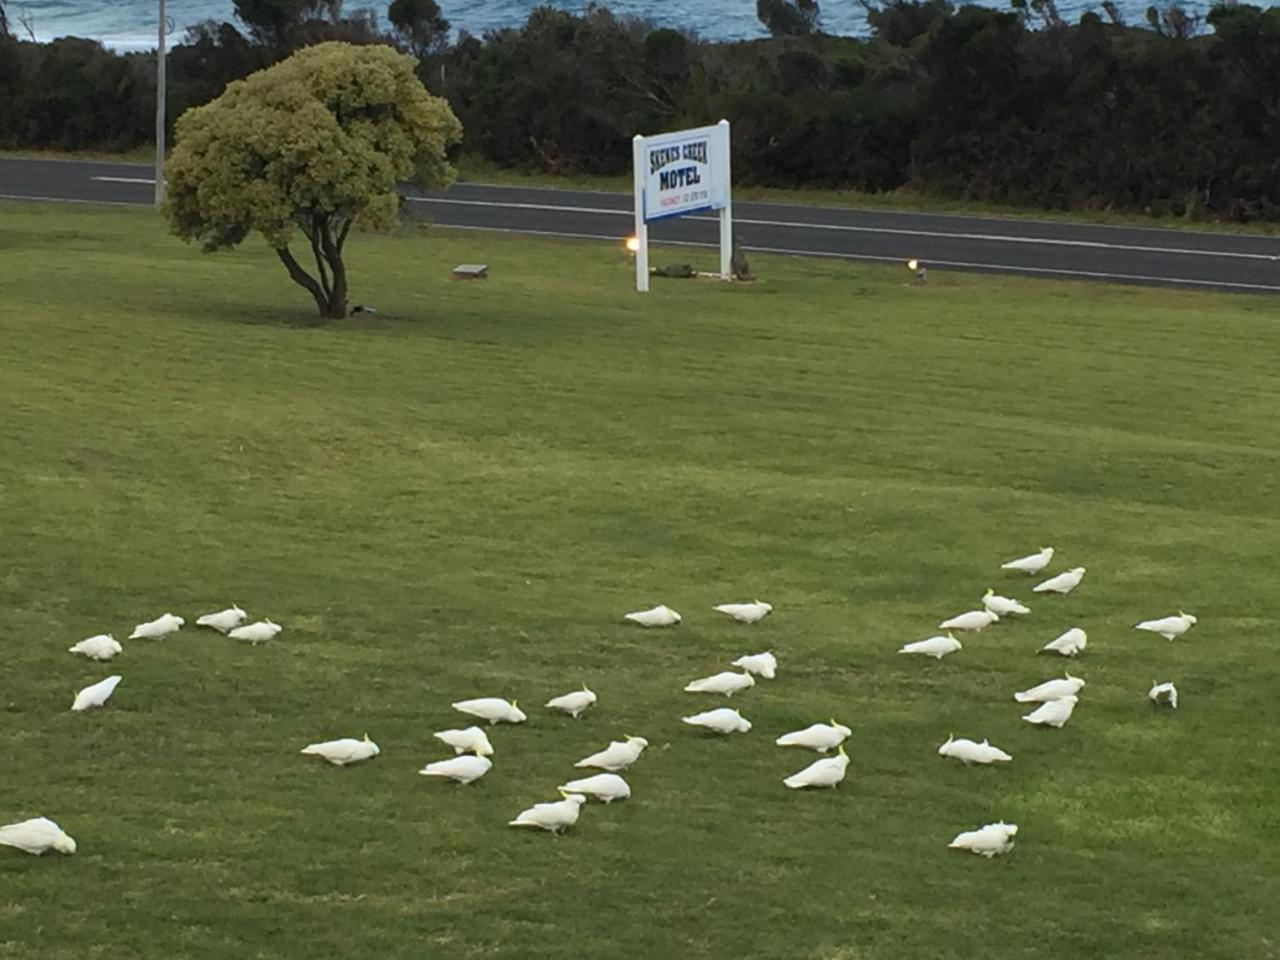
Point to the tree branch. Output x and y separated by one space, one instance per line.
303 279
313 234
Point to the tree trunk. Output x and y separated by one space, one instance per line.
330 291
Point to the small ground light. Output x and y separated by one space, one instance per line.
916 267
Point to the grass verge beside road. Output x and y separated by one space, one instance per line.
460 495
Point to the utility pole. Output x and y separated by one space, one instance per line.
160 69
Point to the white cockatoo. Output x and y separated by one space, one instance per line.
95 695
102 647
970 620
1169 627
1053 713
223 621
619 755
936 647
820 737
1002 606
1070 643
38 835
573 703
745 612
1051 690
827 772
967 751
344 751
1032 563
723 720
467 740
493 709
256 633
727 683
555 817
659 616
1163 693
603 786
463 769
989 840
1062 583
761 664
157 628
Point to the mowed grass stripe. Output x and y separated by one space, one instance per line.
461 494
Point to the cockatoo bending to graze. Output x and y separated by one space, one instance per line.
573 703
619 755
723 720
1002 606
1169 627
102 647
95 695
462 769
820 736
967 751
659 616
223 621
1069 644
1050 690
342 752
555 817
1165 692
1054 713
493 709
38 835
256 633
1032 563
761 664
1062 583
970 620
727 683
603 786
157 628
745 612
936 647
827 772
989 840
469 740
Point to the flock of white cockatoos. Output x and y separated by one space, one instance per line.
473 751
1056 698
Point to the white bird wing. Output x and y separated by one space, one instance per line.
616 754
96 695
31 836
820 773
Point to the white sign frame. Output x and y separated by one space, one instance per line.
663 167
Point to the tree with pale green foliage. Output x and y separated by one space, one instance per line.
309 148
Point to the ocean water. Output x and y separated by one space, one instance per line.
131 24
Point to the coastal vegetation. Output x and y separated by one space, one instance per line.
1015 106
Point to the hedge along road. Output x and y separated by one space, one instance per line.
1179 258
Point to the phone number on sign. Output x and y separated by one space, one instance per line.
683 199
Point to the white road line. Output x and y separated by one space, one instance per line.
890 231
124 179
956 264
106 203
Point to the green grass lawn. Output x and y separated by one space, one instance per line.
461 495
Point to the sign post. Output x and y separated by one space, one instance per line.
680 173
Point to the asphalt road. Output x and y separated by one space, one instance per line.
1179 258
